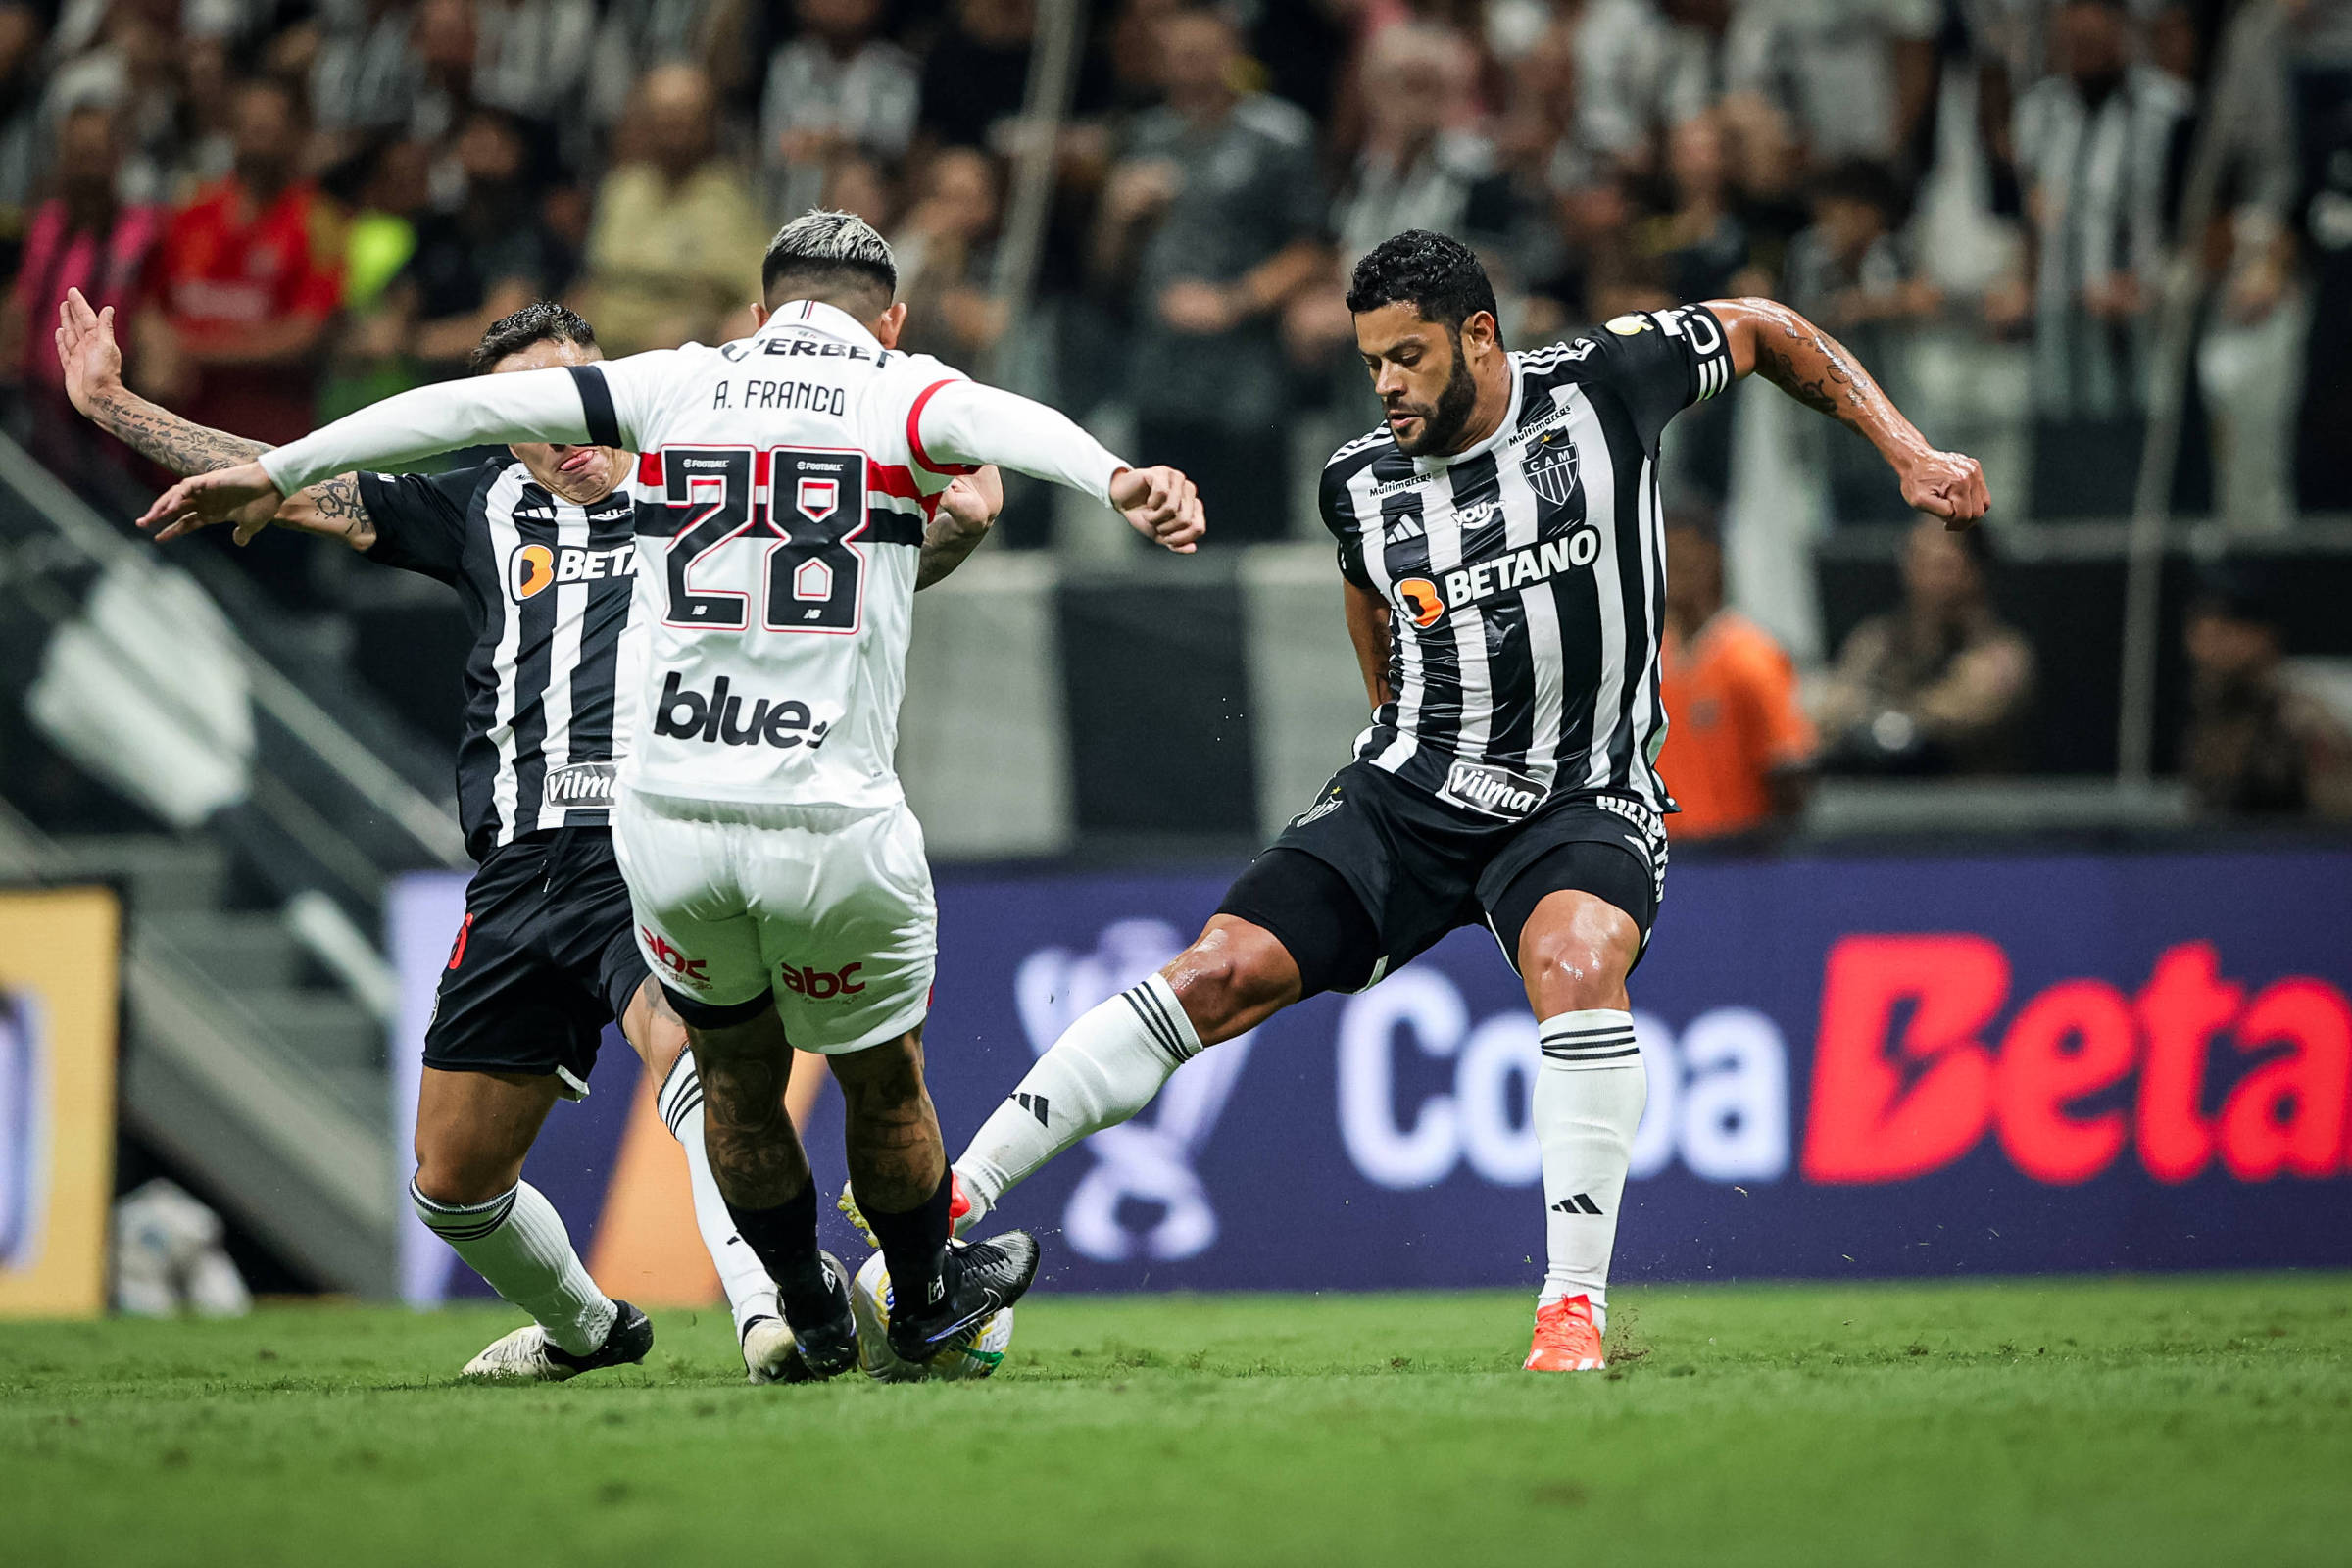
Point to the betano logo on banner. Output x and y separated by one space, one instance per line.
1907 1079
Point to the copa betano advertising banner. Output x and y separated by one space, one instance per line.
60 956
1857 1067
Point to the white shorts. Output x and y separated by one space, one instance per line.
827 909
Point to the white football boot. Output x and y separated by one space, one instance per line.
529 1355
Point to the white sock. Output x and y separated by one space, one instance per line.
1103 1069
516 1242
1589 1096
750 1292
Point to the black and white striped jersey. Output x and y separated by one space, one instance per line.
1526 576
551 685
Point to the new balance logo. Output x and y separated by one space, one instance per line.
1035 1105
1581 1203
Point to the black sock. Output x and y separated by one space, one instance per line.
785 1239
914 1247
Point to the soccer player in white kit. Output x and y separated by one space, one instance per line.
778 878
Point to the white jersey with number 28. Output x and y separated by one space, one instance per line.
782 486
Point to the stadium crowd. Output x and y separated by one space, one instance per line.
296 205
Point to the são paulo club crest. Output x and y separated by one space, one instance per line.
1550 468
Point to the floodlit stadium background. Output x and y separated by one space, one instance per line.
2064 989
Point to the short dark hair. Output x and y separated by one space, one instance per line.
1434 273
823 254
541 321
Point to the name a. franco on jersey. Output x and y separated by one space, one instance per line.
534 569
1425 604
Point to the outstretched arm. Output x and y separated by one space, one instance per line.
92 363
1776 343
549 405
963 421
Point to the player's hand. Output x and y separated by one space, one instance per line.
1950 486
1161 504
209 497
972 501
86 352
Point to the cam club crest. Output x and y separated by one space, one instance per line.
1550 468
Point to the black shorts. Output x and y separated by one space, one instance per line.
545 958
1419 866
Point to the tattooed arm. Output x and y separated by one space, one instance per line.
967 510
1800 359
93 371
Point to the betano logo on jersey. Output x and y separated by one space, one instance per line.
534 569
1425 604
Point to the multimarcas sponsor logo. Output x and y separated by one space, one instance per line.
1914 1067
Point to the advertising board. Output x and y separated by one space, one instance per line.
1857 1067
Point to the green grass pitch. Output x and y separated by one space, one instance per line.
2140 1422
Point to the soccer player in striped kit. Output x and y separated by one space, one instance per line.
1501 549
541 546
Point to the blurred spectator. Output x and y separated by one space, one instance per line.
1852 79
82 237
2255 745
1739 750
1215 215
1939 685
1421 168
945 252
367 75
1848 270
978 70
675 254
134 70
252 274
487 259
24 31
392 198
2094 149
1699 250
532 56
835 89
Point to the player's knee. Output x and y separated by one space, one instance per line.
1226 976
461 1177
882 1081
1575 966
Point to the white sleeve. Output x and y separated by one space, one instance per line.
965 422
572 404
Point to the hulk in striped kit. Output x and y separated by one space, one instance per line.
1503 570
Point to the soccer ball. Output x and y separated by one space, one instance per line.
975 1356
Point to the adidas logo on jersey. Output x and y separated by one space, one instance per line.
719 718
1034 1104
1581 1203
